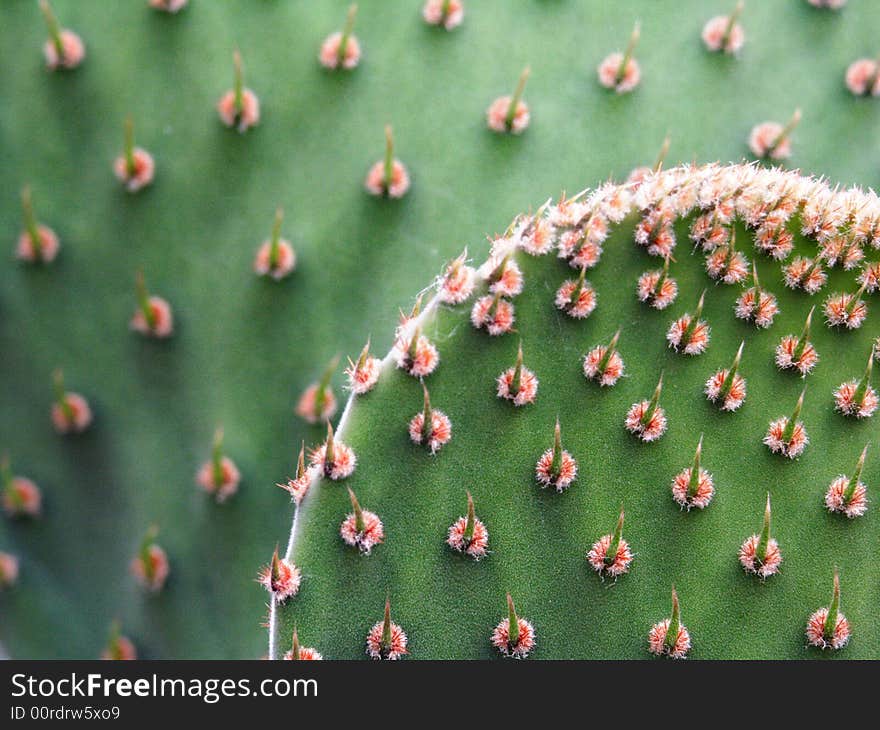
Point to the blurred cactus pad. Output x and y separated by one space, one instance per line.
245 347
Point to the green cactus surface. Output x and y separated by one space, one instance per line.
245 348
538 538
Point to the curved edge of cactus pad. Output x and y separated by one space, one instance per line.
539 550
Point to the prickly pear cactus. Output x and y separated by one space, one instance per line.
190 375
551 440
